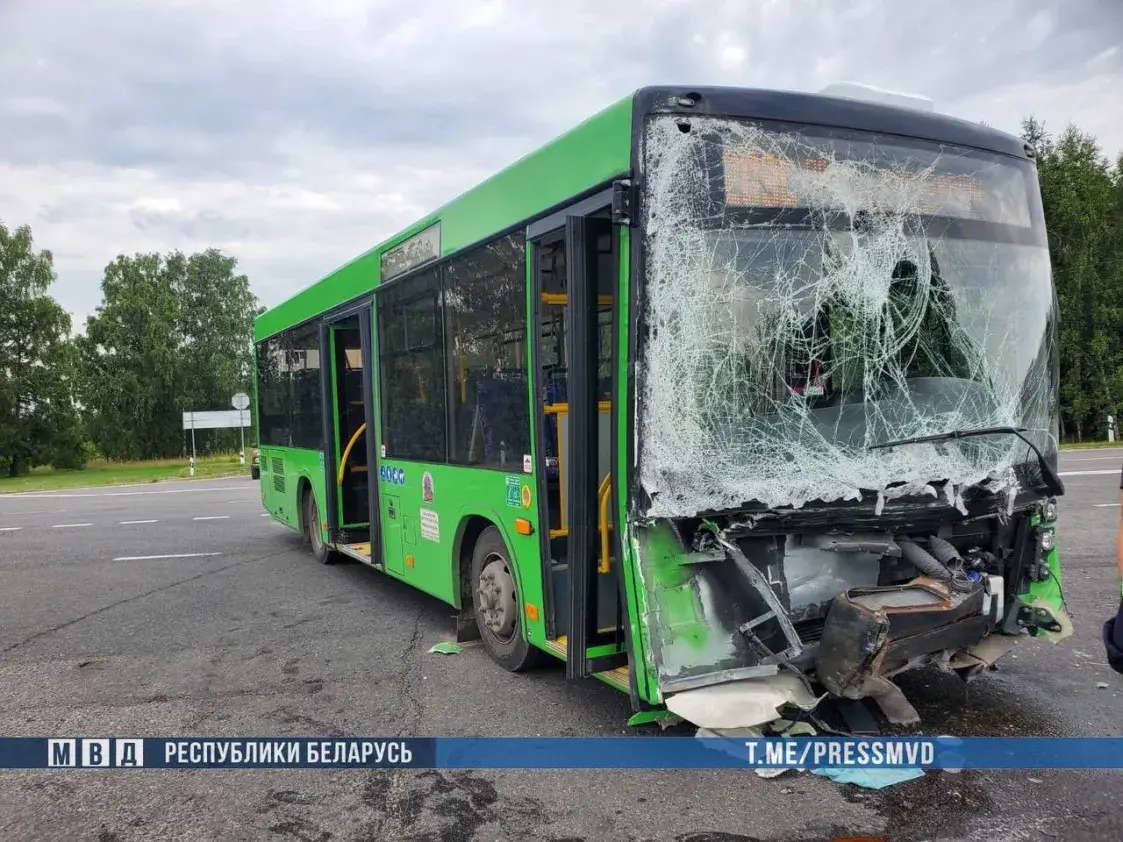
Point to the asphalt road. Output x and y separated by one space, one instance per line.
178 609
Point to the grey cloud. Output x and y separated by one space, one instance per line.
158 90
236 96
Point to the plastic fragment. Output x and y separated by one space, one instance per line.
772 773
869 778
788 728
1103 685
446 648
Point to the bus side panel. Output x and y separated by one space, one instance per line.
283 472
633 588
435 502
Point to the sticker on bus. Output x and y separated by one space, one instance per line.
430 526
426 487
514 492
390 474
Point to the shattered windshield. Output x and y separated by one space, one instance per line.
809 295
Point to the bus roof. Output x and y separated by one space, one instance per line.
599 149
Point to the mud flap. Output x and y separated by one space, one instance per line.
466 628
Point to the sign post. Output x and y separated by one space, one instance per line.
240 401
216 419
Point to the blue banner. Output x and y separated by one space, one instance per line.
561 753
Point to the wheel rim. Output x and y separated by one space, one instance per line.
314 525
499 608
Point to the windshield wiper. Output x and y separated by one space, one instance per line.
1052 481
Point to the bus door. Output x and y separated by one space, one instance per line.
349 450
575 278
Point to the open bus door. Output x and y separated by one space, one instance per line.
576 275
348 403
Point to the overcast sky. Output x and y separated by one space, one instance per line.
295 134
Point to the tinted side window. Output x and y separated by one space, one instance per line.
272 395
485 299
412 365
289 395
302 353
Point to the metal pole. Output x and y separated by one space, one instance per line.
192 444
242 434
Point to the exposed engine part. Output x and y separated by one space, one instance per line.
931 566
923 561
979 559
855 542
944 552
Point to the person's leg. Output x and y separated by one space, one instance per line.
1117 630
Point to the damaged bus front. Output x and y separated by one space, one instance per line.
846 416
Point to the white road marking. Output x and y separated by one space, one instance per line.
264 514
52 495
130 522
212 517
172 555
69 525
1107 505
1114 471
10 528
1098 459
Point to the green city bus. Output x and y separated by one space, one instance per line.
734 399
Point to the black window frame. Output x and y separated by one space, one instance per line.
506 251
387 355
516 234
303 418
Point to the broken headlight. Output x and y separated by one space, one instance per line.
1047 539
1049 511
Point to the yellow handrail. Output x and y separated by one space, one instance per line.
347 452
603 495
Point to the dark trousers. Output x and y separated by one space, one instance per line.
1113 639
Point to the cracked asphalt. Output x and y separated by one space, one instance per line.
242 634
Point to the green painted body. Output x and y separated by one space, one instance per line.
423 542
1050 590
587 156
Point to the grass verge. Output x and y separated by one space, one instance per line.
104 472
1089 445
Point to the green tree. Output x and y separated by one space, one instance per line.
1082 194
38 418
217 312
172 333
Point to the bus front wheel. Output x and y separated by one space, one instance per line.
313 535
498 605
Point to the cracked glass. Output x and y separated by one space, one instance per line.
811 292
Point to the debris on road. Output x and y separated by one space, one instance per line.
1103 685
870 778
446 648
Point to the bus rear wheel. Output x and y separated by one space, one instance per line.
497 604
312 534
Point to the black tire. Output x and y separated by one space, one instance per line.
499 606
313 537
